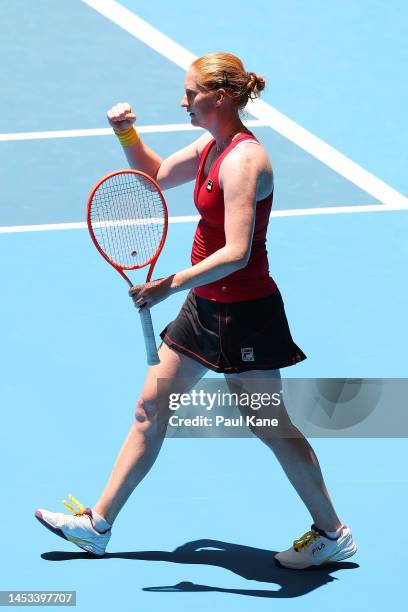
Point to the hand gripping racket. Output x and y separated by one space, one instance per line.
127 220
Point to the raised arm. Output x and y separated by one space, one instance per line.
180 167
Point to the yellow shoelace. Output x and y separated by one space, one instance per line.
80 507
305 540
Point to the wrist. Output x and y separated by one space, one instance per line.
175 283
127 137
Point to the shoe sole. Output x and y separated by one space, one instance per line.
61 534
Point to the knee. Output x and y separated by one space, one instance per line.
274 431
146 410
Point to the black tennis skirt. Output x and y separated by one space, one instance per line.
234 337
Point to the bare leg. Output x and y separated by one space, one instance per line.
293 452
176 373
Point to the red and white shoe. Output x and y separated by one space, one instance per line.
315 547
77 527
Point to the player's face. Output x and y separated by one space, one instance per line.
200 103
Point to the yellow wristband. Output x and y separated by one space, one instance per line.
128 137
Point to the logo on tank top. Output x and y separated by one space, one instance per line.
209 185
247 354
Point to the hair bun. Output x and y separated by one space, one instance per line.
255 84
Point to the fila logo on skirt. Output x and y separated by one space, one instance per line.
247 354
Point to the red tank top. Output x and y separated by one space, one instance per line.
248 283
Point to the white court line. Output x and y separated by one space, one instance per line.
297 212
142 129
180 56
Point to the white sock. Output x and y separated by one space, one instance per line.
99 522
334 534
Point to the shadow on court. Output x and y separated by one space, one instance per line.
250 563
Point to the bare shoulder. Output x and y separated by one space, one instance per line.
249 161
250 151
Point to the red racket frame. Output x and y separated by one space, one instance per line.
151 261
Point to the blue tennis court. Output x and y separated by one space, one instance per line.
202 528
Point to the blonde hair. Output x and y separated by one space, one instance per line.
219 69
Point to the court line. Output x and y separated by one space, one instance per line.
296 212
142 129
260 109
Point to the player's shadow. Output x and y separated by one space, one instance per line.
250 563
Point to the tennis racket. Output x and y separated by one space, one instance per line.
127 219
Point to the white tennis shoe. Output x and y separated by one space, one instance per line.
78 527
315 547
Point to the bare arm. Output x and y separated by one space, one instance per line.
180 167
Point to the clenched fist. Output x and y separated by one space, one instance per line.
121 116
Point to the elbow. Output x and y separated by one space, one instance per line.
239 259
243 262
158 178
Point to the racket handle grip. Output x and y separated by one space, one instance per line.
148 335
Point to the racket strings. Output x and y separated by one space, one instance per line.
114 237
128 219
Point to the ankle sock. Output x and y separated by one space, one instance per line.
99 522
334 534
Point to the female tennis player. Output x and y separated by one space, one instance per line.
233 319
